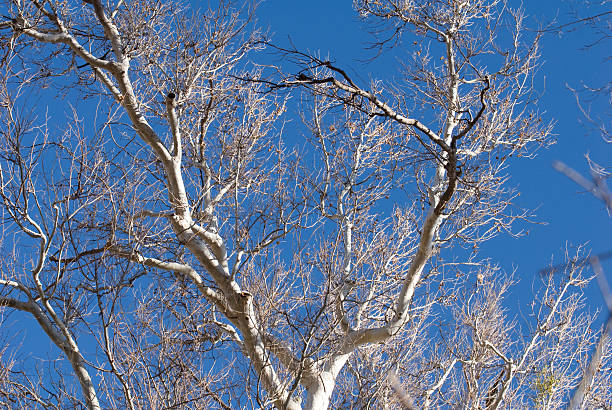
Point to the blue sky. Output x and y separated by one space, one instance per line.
571 216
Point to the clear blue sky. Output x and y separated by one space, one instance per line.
572 217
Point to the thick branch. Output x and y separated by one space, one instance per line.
177 148
16 304
111 32
182 269
65 38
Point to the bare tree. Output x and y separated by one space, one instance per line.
180 251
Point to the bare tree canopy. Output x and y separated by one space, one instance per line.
193 224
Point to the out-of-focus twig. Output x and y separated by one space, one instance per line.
401 393
597 186
587 380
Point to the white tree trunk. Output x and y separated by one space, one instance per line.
319 393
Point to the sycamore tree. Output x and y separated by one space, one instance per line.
192 226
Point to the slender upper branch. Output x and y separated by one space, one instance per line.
383 106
